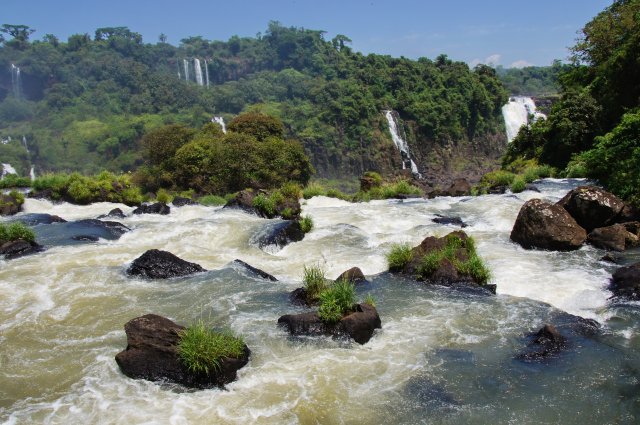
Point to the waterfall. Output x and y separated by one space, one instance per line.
32 173
220 121
198 71
519 111
206 72
401 144
185 64
179 75
8 169
24 142
16 81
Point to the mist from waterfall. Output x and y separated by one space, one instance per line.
519 111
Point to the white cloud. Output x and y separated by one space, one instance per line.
474 62
520 64
493 59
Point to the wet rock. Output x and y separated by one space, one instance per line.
254 270
358 325
299 297
625 282
156 264
429 394
152 354
497 190
455 221
66 233
179 201
114 213
592 207
9 204
243 201
36 219
42 194
459 187
353 275
157 208
288 208
547 342
628 213
617 237
610 258
544 225
85 238
19 248
278 234
531 187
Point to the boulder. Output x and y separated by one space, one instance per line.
288 208
459 187
152 354
156 264
545 343
19 248
628 213
278 235
543 225
36 219
9 205
243 201
114 213
157 208
610 258
617 237
255 271
592 207
69 233
358 325
625 282
454 221
299 297
179 201
353 275
531 187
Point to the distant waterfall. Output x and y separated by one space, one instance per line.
32 173
220 121
198 71
206 72
519 111
7 169
179 75
401 144
16 82
185 64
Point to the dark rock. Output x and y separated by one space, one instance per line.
279 234
358 325
628 213
179 201
156 264
545 343
531 187
66 233
353 275
36 219
88 238
497 190
592 207
299 297
9 205
243 201
289 208
114 213
152 354
19 248
41 194
459 187
625 282
610 258
544 225
455 221
254 270
617 237
157 208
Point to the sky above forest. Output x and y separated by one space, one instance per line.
508 33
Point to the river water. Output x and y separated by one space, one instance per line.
442 356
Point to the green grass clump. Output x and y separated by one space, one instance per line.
337 301
14 231
291 190
388 191
370 300
306 223
314 282
212 200
163 196
18 196
12 180
518 185
399 256
200 349
314 189
265 204
79 189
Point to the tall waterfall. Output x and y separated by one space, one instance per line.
220 121
32 173
206 72
400 143
179 74
16 81
198 71
185 64
519 111
7 169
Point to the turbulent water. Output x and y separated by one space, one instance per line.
441 356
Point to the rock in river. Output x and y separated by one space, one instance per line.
156 264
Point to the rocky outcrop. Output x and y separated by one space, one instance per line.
288 208
10 204
19 248
625 282
179 201
545 343
157 208
353 275
454 221
592 207
278 235
156 264
114 213
152 354
617 237
543 225
459 187
36 219
254 270
358 325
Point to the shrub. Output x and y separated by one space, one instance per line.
200 349
18 196
163 196
264 203
14 231
291 190
314 189
336 301
518 184
306 223
12 180
212 200
399 256
375 178
314 282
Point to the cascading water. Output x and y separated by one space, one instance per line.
8 169
220 121
400 143
16 81
179 75
32 173
519 111
206 72
198 71
185 64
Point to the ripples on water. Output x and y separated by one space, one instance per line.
441 357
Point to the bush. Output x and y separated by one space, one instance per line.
399 256
18 196
163 196
212 200
12 180
314 189
306 223
314 282
14 231
337 301
518 184
265 204
200 349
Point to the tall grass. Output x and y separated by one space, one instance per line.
14 231
200 349
399 256
337 301
314 281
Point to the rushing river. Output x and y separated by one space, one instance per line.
442 356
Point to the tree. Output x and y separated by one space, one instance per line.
162 38
258 125
339 41
19 33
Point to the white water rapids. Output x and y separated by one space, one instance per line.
441 356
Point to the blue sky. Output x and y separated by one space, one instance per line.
500 32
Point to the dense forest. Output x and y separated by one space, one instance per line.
84 104
536 81
594 130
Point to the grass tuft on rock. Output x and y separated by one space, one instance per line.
337 301
399 256
306 223
315 282
14 231
201 349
